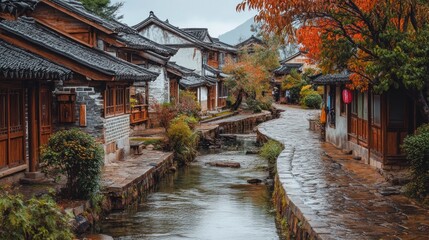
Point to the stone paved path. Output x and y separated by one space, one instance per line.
339 197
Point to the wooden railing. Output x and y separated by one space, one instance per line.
139 113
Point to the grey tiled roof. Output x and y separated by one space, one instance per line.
180 68
251 39
165 24
16 63
125 33
137 41
211 69
339 78
286 68
199 33
16 7
297 54
27 29
211 80
223 46
193 81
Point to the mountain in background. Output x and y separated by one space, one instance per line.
238 34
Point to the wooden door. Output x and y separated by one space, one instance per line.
45 118
212 98
397 123
12 127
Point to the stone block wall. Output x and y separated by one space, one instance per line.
112 132
93 99
116 138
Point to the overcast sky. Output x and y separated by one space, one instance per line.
219 16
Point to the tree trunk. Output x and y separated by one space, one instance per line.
238 101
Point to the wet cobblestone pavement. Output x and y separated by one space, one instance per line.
339 197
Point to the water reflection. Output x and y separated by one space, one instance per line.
203 202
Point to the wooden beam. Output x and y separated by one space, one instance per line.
56 58
7 16
110 40
77 16
52 27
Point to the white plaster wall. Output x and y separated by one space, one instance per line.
162 36
204 93
217 95
159 90
202 97
189 57
337 135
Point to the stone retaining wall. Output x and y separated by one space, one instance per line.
290 217
122 197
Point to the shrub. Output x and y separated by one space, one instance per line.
182 141
417 149
257 105
76 155
305 90
165 113
191 121
33 219
254 105
271 150
313 100
188 104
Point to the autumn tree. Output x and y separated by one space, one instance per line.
250 76
383 43
104 8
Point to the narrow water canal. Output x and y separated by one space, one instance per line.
204 202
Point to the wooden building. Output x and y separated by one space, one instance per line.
95 99
25 105
117 39
278 76
373 125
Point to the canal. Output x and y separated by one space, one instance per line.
204 202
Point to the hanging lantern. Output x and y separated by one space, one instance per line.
347 96
323 116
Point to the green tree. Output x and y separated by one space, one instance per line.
104 8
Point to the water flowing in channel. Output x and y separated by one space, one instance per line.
204 202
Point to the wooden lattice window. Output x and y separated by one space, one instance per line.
120 100
110 102
127 100
117 100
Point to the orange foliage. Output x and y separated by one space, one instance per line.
309 37
357 21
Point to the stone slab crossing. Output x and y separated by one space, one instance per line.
334 196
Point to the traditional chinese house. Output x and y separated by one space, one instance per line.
96 98
249 45
71 18
196 50
372 125
25 105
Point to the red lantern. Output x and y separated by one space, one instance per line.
347 96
